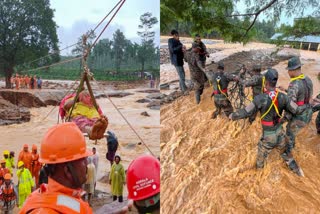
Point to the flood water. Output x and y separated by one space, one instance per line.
14 136
208 166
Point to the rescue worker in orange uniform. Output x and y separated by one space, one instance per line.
25 157
63 149
3 171
8 195
35 164
17 81
143 183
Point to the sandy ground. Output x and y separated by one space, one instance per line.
14 136
208 166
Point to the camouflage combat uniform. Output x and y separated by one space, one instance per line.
197 74
256 83
299 91
315 109
273 134
221 99
257 88
203 54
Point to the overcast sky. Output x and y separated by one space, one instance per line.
75 17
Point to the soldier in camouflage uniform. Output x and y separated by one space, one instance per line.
315 108
300 91
220 81
203 50
256 83
197 71
271 104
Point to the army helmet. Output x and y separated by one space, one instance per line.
293 63
272 75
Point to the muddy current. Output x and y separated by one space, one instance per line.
208 165
13 137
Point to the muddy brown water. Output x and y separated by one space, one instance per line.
14 136
208 166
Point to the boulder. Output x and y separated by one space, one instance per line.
155 96
143 100
145 114
155 104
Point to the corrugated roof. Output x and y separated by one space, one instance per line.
312 39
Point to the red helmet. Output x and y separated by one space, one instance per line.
143 178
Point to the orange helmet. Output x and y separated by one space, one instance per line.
143 178
25 146
2 161
34 147
7 176
63 143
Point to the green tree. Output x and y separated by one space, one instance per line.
119 43
303 27
78 49
223 17
27 32
146 49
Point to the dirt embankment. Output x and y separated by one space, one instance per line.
15 104
208 166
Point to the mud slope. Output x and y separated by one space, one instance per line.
208 166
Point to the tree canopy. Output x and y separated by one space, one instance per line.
27 31
147 49
224 17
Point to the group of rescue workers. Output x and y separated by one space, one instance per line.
26 82
28 169
54 180
276 105
64 158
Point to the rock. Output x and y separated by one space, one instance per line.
155 104
149 91
112 94
165 86
155 96
143 101
145 114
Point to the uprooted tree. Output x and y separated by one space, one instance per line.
27 32
224 17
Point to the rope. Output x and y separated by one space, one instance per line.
263 82
57 51
142 141
219 87
272 104
54 52
54 64
300 77
94 43
106 16
74 83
